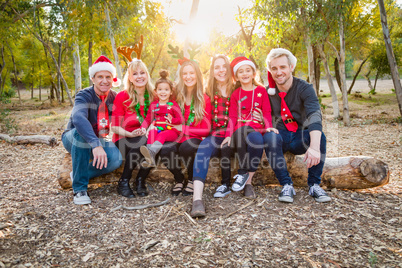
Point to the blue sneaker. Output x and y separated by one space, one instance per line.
319 194
287 193
240 182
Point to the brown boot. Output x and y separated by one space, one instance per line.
198 209
249 192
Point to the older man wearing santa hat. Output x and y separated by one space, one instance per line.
85 137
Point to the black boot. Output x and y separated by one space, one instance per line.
141 187
123 188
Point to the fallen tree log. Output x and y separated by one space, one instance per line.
352 172
29 139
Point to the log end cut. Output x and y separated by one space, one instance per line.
375 171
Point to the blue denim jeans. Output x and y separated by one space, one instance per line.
210 147
81 155
276 145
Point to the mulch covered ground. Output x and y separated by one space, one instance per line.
40 226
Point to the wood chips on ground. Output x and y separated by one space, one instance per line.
40 226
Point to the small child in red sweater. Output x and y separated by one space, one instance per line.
164 113
250 97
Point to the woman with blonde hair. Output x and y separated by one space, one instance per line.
219 88
196 110
130 107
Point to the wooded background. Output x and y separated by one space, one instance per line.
49 45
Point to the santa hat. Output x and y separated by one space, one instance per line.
240 61
104 64
271 84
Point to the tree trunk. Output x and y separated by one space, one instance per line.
32 84
114 48
1 70
376 78
317 70
40 86
342 56
158 56
390 55
59 90
54 60
335 103
367 76
358 172
90 59
15 74
337 76
311 66
193 14
77 68
356 74
4 81
58 70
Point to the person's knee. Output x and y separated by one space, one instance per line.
272 139
114 164
114 159
255 139
188 150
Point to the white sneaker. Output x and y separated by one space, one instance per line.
81 198
222 191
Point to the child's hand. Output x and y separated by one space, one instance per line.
226 140
271 129
136 132
169 118
257 115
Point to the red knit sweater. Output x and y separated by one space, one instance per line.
157 113
124 117
199 129
242 104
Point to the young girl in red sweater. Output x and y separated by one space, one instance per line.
249 97
164 114
196 110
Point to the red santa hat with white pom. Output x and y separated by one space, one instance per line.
104 64
271 84
240 61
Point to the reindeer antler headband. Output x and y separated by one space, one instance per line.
127 51
178 54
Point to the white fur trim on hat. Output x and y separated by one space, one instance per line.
271 91
102 66
244 62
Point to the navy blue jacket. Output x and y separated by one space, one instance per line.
84 116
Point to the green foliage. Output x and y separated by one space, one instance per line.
372 259
378 58
202 238
323 106
7 94
7 124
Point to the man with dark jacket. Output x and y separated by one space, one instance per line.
297 114
85 137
